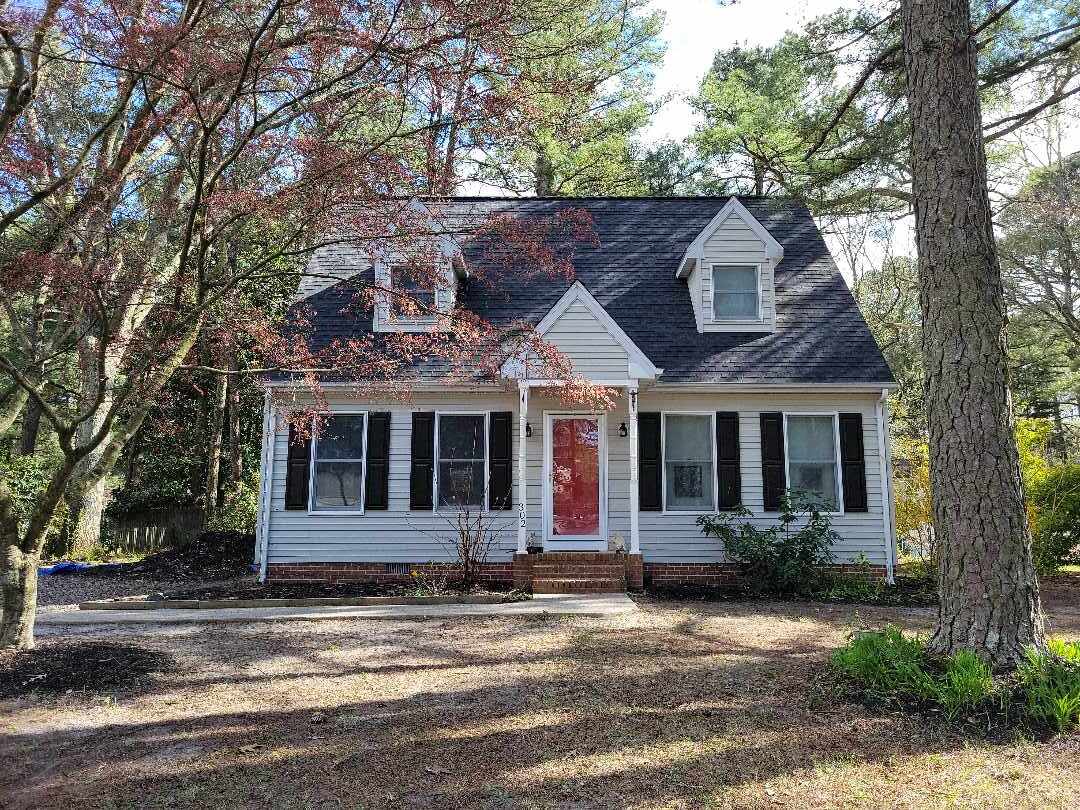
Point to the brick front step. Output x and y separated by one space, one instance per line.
576 585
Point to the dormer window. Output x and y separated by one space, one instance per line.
730 273
736 292
409 303
414 301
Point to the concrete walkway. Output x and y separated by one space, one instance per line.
608 604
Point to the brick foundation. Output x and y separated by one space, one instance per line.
725 574
520 573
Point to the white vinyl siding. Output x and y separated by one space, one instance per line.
588 344
401 535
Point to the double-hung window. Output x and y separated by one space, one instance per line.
461 472
415 300
338 469
689 475
735 292
812 457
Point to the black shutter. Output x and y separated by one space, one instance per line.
853 461
297 470
422 472
729 481
377 476
500 470
650 464
774 478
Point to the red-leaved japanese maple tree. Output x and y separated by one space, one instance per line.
162 163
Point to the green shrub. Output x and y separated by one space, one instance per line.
883 661
1050 685
887 662
238 509
784 558
1054 510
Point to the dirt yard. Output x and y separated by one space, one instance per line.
681 706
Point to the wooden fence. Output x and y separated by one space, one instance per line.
153 530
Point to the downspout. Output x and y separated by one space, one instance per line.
888 510
266 484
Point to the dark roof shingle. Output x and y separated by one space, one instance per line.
820 334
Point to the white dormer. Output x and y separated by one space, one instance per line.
729 271
392 278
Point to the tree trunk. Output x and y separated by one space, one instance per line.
213 461
86 510
545 175
19 598
236 444
31 425
989 596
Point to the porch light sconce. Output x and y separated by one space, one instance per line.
528 431
622 430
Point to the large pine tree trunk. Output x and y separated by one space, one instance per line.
989 597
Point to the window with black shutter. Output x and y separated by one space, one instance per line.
500 468
774 478
853 461
650 463
728 474
377 476
422 465
297 470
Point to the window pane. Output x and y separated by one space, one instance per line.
735 279
417 299
735 305
811 448
461 483
688 470
337 484
342 437
811 438
735 293
461 437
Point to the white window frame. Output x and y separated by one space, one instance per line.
663 463
712 287
836 455
436 506
386 320
313 463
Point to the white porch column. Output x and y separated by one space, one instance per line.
635 538
523 416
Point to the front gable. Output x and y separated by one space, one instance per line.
582 330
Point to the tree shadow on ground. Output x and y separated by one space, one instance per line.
674 709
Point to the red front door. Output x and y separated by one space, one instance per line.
575 478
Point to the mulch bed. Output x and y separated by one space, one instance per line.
214 555
316 590
907 592
90 666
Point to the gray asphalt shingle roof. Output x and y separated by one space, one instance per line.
820 334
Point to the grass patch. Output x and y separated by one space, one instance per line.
1043 695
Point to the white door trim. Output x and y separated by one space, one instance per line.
583 543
